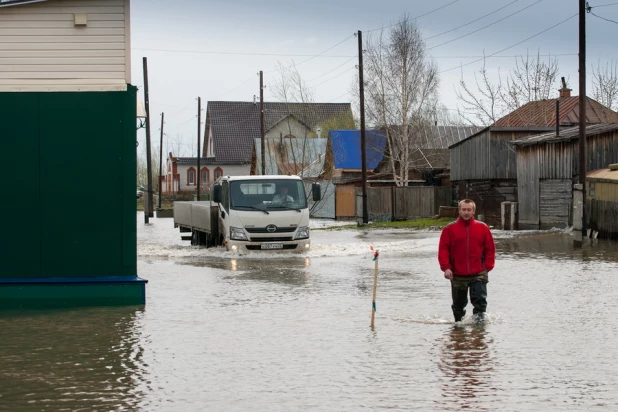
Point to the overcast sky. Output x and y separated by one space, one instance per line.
214 49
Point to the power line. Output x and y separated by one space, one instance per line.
603 18
413 18
508 56
603 5
236 88
484 27
513 45
330 71
473 21
334 77
339 97
246 53
320 54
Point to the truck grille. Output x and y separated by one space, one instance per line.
271 239
263 230
257 247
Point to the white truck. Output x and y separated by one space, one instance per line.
250 213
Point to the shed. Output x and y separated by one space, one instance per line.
548 166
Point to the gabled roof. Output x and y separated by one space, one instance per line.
291 156
234 125
346 148
571 133
542 113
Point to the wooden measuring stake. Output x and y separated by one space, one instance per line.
375 288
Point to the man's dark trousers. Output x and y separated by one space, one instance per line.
478 295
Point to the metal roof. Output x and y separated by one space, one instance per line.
603 174
542 113
571 133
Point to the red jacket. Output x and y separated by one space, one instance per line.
466 247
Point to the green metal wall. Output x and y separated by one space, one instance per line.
68 195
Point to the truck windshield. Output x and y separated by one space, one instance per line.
267 194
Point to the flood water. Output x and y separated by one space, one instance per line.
274 332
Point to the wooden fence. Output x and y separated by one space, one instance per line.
602 216
401 203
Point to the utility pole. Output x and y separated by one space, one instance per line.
362 125
161 159
147 213
579 190
199 140
262 145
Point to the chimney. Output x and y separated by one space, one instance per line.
564 92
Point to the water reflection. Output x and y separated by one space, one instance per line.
466 365
71 359
556 246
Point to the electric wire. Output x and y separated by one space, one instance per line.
484 27
473 21
413 18
513 45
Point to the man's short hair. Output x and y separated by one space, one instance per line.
467 201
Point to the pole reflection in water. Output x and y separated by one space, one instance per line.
466 364
87 358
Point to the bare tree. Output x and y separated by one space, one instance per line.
530 80
290 87
605 84
483 106
400 91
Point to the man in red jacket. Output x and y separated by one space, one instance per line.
466 254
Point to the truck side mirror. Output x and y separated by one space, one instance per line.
216 193
316 192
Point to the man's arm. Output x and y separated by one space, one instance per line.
489 251
444 250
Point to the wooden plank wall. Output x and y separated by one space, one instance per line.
555 203
603 217
485 156
380 203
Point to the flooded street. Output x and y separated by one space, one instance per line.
223 332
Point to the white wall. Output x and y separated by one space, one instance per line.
41 49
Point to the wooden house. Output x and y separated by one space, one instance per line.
69 126
548 166
484 165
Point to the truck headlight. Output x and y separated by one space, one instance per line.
303 233
237 233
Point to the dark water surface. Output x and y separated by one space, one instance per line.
223 332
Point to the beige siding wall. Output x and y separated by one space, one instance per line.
42 50
287 126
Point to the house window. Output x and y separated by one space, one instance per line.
205 175
191 177
218 173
